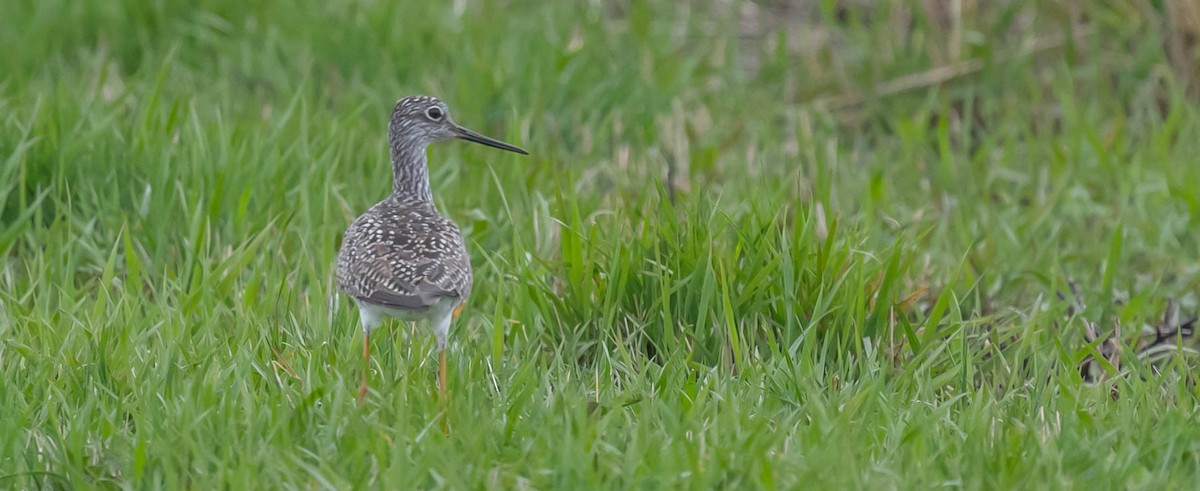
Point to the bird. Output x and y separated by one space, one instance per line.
401 258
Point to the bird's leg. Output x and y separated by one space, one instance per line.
442 330
442 364
442 375
442 392
362 387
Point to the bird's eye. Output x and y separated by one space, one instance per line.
434 113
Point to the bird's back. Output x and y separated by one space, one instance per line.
403 255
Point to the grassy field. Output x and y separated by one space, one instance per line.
755 245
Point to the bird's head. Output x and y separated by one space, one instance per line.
421 120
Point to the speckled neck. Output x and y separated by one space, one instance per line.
410 170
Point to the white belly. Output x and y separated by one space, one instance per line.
438 314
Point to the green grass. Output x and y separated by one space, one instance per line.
836 288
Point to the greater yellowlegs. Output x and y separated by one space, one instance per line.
401 258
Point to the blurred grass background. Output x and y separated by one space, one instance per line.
757 244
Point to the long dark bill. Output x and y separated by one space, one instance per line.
472 136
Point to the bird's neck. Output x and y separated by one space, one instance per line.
410 173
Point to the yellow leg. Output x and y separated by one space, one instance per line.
362 386
442 394
442 375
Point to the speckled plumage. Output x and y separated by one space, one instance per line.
401 258
402 254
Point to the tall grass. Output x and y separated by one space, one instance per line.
763 245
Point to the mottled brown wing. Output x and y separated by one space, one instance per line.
403 257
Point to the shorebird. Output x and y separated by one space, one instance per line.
401 258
